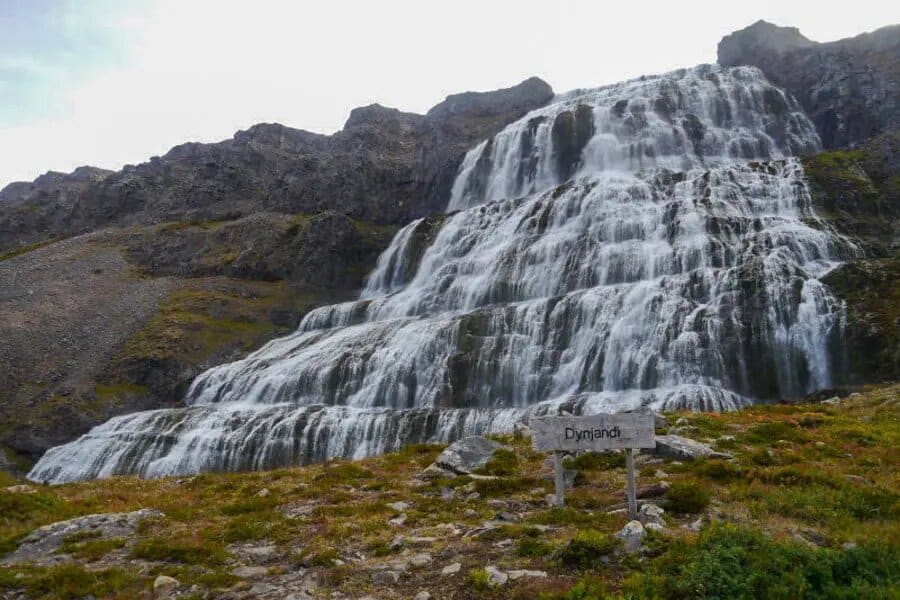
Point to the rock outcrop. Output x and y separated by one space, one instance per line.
850 88
384 166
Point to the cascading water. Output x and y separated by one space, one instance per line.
646 244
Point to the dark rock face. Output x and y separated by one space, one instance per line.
385 166
850 88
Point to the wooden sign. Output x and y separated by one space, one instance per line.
620 431
593 432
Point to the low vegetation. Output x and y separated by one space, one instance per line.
808 508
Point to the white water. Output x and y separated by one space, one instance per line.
672 269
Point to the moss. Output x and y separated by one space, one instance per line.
871 290
25 249
192 551
686 497
588 549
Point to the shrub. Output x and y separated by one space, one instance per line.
505 485
594 461
531 545
479 580
687 497
719 470
188 551
727 561
504 463
587 549
769 432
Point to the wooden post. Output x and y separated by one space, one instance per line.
560 478
630 484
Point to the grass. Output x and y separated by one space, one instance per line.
788 478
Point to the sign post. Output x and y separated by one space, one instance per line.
621 431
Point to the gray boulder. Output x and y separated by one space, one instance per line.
468 454
681 448
41 543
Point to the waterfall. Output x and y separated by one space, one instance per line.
645 244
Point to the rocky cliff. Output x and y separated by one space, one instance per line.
850 88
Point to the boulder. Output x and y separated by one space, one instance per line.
496 577
464 456
164 587
451 569
41 543
681 448
632 535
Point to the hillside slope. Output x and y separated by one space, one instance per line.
807 507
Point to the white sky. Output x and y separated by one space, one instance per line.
131 82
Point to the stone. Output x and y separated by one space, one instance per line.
396 543
507 516
423 595
683 430
164 586
658 527
21 489
695 525
473 496
250 572
496 577
520 573
504 543
816 537
385 577
398 521
263 492
433 471
40 545
651 513
681 421
832 400
652 491
471 513
451 569
419 560
421 541
468 454
632 535
660 421
855 478
681 448
261 554
399 506
521 430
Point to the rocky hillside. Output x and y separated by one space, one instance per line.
116 289
850 88
776 501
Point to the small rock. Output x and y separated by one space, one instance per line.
164 586
473 496
855 478
633 535
506 543
263 492
507 516
521 430
447 553
496 577
660 421
816 537
652 491
423 595
651 513
695 526
435 472
682 448
848 545
419 560
681 421
396 543
470 513
398 521
726 438
550 499
820 444
250 572
385 577
660 474
261 554
451 569
520 573
399 506
832 400
421 541
21 489
658 527
684 430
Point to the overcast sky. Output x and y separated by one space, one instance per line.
109 82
